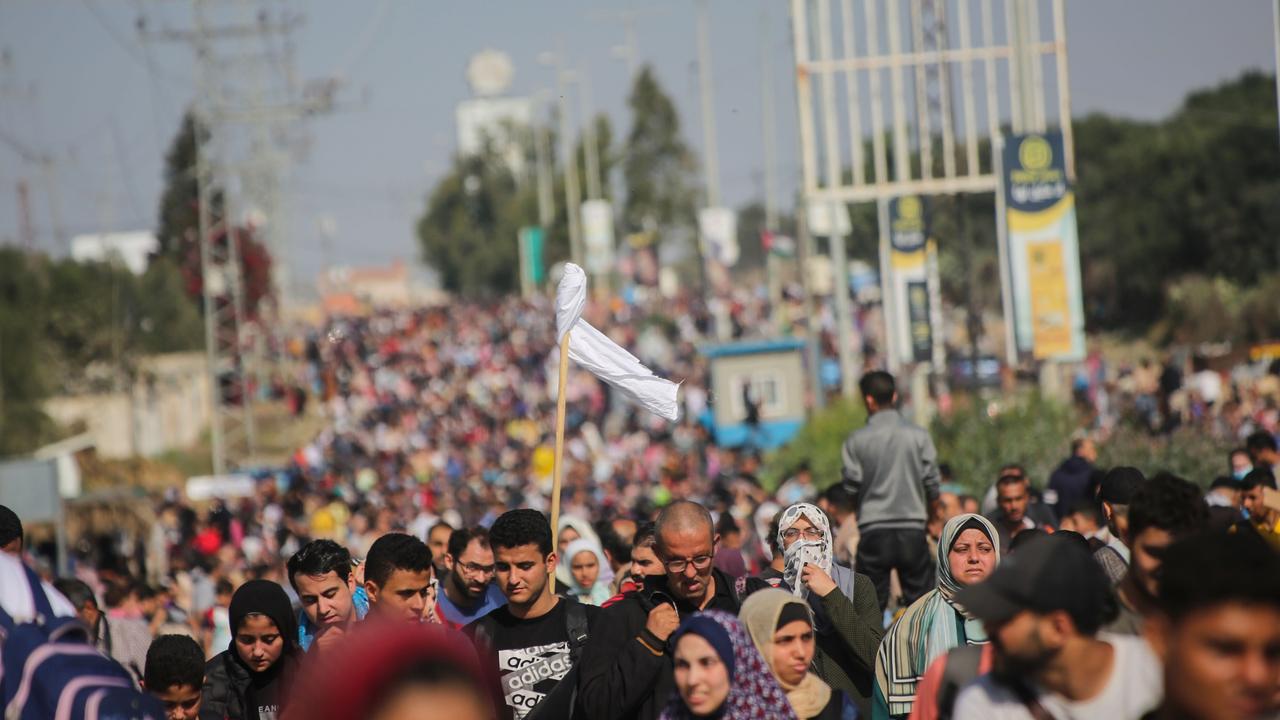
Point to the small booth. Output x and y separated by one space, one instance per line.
757 392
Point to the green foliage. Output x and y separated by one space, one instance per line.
751 227
1202 309
24 371
178 232
658 169
1195 193
178 203
977 439
79 326
469 230
1188 453
817 443
166 321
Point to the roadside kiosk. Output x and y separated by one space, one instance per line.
757 392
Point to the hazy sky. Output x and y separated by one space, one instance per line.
79 85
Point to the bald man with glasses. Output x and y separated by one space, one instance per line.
627 669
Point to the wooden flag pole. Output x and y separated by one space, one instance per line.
555 466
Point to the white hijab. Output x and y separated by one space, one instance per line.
585 532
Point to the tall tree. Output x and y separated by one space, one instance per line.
178 232
25 376
1195 193
658 168
468 232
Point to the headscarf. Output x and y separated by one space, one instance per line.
754 693
818 519
263 597
822 549
600 592
932 625
585 531
351 682
761 613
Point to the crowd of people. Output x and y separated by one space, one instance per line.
403 565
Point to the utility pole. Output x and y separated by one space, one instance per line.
813 349
839 261
232 98
770 173
542 154
589 143
26 233
709 155
572 193
1275 16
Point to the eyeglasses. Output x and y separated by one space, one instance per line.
701 562
476 569
810 533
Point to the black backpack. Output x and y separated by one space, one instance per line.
561 701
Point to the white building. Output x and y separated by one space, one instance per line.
130 248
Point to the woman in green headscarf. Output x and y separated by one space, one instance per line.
968 550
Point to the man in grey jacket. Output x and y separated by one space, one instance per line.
891 467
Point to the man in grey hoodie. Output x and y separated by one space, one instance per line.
891 467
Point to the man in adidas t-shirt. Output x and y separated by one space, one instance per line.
537 636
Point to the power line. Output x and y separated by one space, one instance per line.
120 41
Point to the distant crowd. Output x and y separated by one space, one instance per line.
1095 593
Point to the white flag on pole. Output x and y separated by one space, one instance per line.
610 362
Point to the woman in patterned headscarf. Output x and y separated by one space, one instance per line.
846 613
968 550
781 626
720 674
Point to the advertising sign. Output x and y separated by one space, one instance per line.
718 230
532 240
1044 256
908 241
597 235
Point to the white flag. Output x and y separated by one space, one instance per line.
610 362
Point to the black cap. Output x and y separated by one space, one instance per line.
1049 573
1120 484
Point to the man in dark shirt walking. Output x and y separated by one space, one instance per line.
537 636
891 467
627 671
1073 480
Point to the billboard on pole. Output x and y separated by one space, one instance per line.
908 241
1044 255
597 235
531 245
718 231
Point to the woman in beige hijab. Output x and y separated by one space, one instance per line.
781 626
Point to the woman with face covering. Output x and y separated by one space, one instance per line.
589 572
249 680
847 622
720 674
781 627
968 550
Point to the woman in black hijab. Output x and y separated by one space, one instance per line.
248 680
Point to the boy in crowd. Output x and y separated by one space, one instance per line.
331 601
174 675
1217 629
398 578
1164 509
